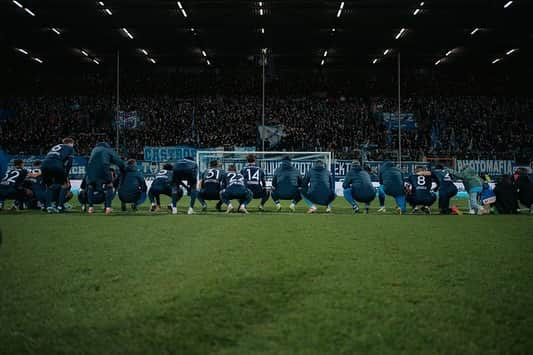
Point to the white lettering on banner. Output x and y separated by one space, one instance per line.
498 167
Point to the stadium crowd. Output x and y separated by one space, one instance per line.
462 126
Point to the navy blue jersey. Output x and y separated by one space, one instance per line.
63 153
212 179
254 176
14 178
163 178
234 179
442 175
36 181
420 183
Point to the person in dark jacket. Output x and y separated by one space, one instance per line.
132 188
286 184
391 183
318 187
506 196
98 173
358 187
525 190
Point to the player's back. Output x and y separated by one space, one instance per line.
14 178
212 180
102 156
234 180
132 181
61 152
391 178
318 179
359 180
421 185
254 177
287 178
163 178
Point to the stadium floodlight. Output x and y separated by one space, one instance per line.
260 4
208 62
387 51
182 10
21 50
422 3
38 60
152 60
323 62
84 53
402 31
375 61
449 52
268 161
496 60
333 29
127 33
29 11
96 61
107 11
325 53
511 51
144 51
56 31
416 12
262 30
509 3
18 4
438 62
474 31
261 12
204 53
101 3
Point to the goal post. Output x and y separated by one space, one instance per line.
268 161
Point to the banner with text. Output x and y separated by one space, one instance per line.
491 167
168 154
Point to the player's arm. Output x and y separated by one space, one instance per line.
305 181
115 159
274 181
436 180
263 178
331 183
68 163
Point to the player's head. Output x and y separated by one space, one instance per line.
439 166
37 163
213 164
132 162
319 163
68 141
232 167
250 158
168 166
18 163
355 163
420 169
103 144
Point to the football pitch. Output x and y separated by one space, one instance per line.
269 283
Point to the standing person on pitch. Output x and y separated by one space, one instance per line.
234 187
132 188
184 170
391 183
358 187
255 180
286 184
473 185
55 170
99 173
318 187
161 186
210 185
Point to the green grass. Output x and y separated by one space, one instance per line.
265 283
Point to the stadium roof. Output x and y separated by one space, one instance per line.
296 32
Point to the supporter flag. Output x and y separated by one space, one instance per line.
271 134
128 120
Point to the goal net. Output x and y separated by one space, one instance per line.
268 161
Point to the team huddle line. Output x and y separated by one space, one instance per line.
47 185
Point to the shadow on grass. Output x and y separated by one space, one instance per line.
216 320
